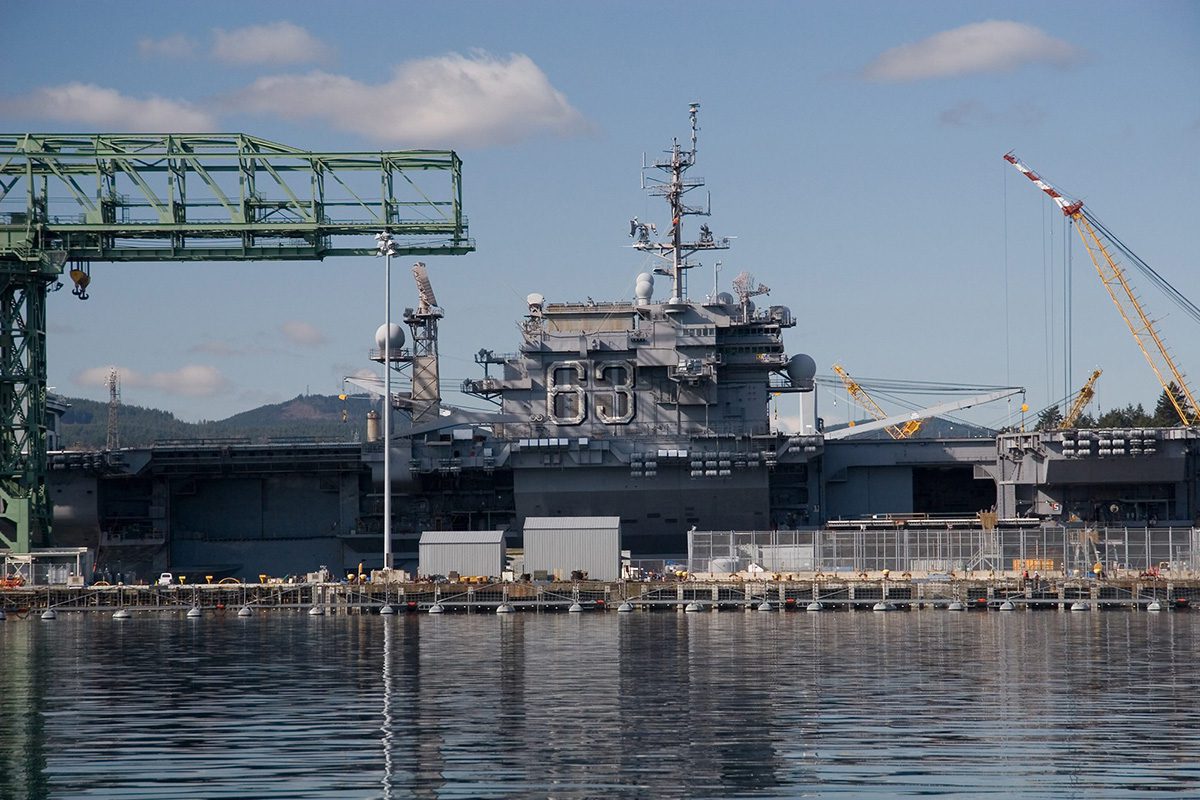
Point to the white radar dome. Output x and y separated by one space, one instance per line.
644 290
646 277
394 342
801 369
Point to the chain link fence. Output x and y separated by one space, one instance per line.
1068 551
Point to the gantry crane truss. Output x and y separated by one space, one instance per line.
1098 243
1081 400
71 199
865 400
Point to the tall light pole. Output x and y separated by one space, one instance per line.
387 249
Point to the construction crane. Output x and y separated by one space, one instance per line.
924 413
860 396
1100 244
73 199
1081 400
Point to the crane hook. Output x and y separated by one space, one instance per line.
81 276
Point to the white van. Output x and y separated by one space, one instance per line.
166 579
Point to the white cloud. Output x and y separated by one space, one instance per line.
216 348
175 46
101 107
302 333
192 380
970 113
275 43
452 99
346 369
991 46
224 349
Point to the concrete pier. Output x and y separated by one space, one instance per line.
833 594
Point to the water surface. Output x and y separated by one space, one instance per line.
664 704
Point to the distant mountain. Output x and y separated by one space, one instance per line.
323 418
931 428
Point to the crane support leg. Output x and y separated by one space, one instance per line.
24 502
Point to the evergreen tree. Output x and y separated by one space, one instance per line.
1130 416
1049 419
1085 421
1165 415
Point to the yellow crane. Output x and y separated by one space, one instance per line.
1100 243
863 399
1081 400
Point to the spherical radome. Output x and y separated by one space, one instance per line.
394 342
801 369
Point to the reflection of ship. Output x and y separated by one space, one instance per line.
651 408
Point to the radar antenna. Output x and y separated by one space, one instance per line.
676 251
423 322
745 288
427 302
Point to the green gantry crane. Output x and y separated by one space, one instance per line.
67 200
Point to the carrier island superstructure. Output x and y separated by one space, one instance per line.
653 408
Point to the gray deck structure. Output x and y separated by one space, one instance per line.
1111 476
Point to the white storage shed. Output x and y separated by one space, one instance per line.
464 552
560 545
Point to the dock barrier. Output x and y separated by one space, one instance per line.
716 595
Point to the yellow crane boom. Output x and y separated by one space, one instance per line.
867 402
1081 400
1119 289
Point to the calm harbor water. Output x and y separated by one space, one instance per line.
645 705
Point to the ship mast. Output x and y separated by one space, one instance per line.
676 251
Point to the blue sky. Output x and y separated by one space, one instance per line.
854 150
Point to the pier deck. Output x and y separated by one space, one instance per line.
1129 593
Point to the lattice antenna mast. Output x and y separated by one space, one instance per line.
423 323
1099 245
676 251
113 381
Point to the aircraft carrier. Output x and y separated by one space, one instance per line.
653 408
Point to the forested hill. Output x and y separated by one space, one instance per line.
316 417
